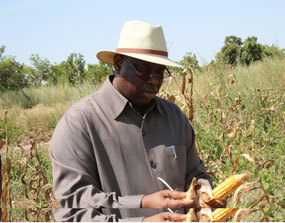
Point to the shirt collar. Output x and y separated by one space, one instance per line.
114 100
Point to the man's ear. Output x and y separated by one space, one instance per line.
118 60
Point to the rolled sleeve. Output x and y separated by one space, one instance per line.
133 201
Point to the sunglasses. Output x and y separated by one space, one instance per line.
147 75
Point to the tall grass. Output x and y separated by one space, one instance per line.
46 95
37 110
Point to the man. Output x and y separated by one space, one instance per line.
110 149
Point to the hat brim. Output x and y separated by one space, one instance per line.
108 56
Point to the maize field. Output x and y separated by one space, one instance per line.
238 114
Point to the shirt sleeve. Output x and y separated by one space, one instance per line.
195 166
76 180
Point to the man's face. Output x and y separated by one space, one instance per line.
139 89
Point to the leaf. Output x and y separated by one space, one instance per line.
247 157
236 163
266 185
206 97
171 98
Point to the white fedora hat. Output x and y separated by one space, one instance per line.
142 41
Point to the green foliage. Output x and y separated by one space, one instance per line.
236 52
231 51
190 60
40 72
14 131
251 51
11 76
96 73
57 75
273 51
74 69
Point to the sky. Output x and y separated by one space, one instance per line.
54 29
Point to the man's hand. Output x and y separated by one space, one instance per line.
166 216
168 199
205 197
213 204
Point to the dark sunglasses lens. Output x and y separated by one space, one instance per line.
144 76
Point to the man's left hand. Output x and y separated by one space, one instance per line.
213 203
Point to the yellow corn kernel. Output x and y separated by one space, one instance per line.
223 190
222 214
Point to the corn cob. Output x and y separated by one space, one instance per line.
223 190
222 214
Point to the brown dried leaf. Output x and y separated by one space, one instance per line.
236 163
171 98
238 101
206 97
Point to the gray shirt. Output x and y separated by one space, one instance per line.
106 156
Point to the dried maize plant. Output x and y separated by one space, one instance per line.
228 113
245 128
262 201
6 195
183 81
36 185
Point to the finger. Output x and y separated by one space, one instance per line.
217 203
182 204
203 204
176 217
176 195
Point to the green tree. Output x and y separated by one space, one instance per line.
190 60
273 51
11 75
252 51
40 72
74 68
57 74
231 51
98 72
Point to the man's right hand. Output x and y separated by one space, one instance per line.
166 216
168 199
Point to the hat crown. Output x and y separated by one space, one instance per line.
140 35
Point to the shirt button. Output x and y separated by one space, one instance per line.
153 164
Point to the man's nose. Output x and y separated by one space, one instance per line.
154 79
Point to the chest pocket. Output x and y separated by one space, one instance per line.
172 162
